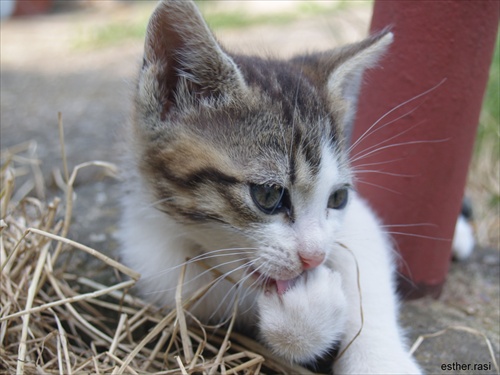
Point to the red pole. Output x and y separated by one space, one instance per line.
419 191
31 7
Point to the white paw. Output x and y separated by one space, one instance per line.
306 320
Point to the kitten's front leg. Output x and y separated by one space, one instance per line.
377 350
366 258
307 319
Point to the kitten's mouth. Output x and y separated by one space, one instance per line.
283 285
269 284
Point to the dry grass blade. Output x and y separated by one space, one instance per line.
163 324
181 365
421 339
80 297
62 339
225 342
69 197
63 149
362 316
29 302
116 338
112 263
6 191
181 318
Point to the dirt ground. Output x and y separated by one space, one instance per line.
42 73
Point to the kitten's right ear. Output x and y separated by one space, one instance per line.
183 62
340 72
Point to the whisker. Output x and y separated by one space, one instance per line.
386 140
384 173
159 201
401 144
240 284
404 265
251 274
233 291
409 225
259 280
223 277
252 287
367 135
212 268
377 163
419 236
363 136
196 277
204 256
214 253
378 186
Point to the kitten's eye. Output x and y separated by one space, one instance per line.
268 198
338 199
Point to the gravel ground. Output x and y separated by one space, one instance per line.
42 73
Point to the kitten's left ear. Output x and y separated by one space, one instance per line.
340 71
183 62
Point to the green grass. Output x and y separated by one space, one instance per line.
233 20
111 34
227 20
116 32
484 175
489 124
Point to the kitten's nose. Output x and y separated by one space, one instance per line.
311 260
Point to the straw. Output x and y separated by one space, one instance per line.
55 319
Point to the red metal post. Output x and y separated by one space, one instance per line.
446 47
31 7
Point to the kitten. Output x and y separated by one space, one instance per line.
241 162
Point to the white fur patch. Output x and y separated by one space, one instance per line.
463 239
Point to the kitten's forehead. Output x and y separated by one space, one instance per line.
286 90
272 150
279 129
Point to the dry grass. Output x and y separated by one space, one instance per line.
55 320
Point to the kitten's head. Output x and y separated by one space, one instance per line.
247 152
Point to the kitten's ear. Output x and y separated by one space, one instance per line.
341 71
185 59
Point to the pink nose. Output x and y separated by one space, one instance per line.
311 260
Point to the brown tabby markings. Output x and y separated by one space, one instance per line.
291 104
